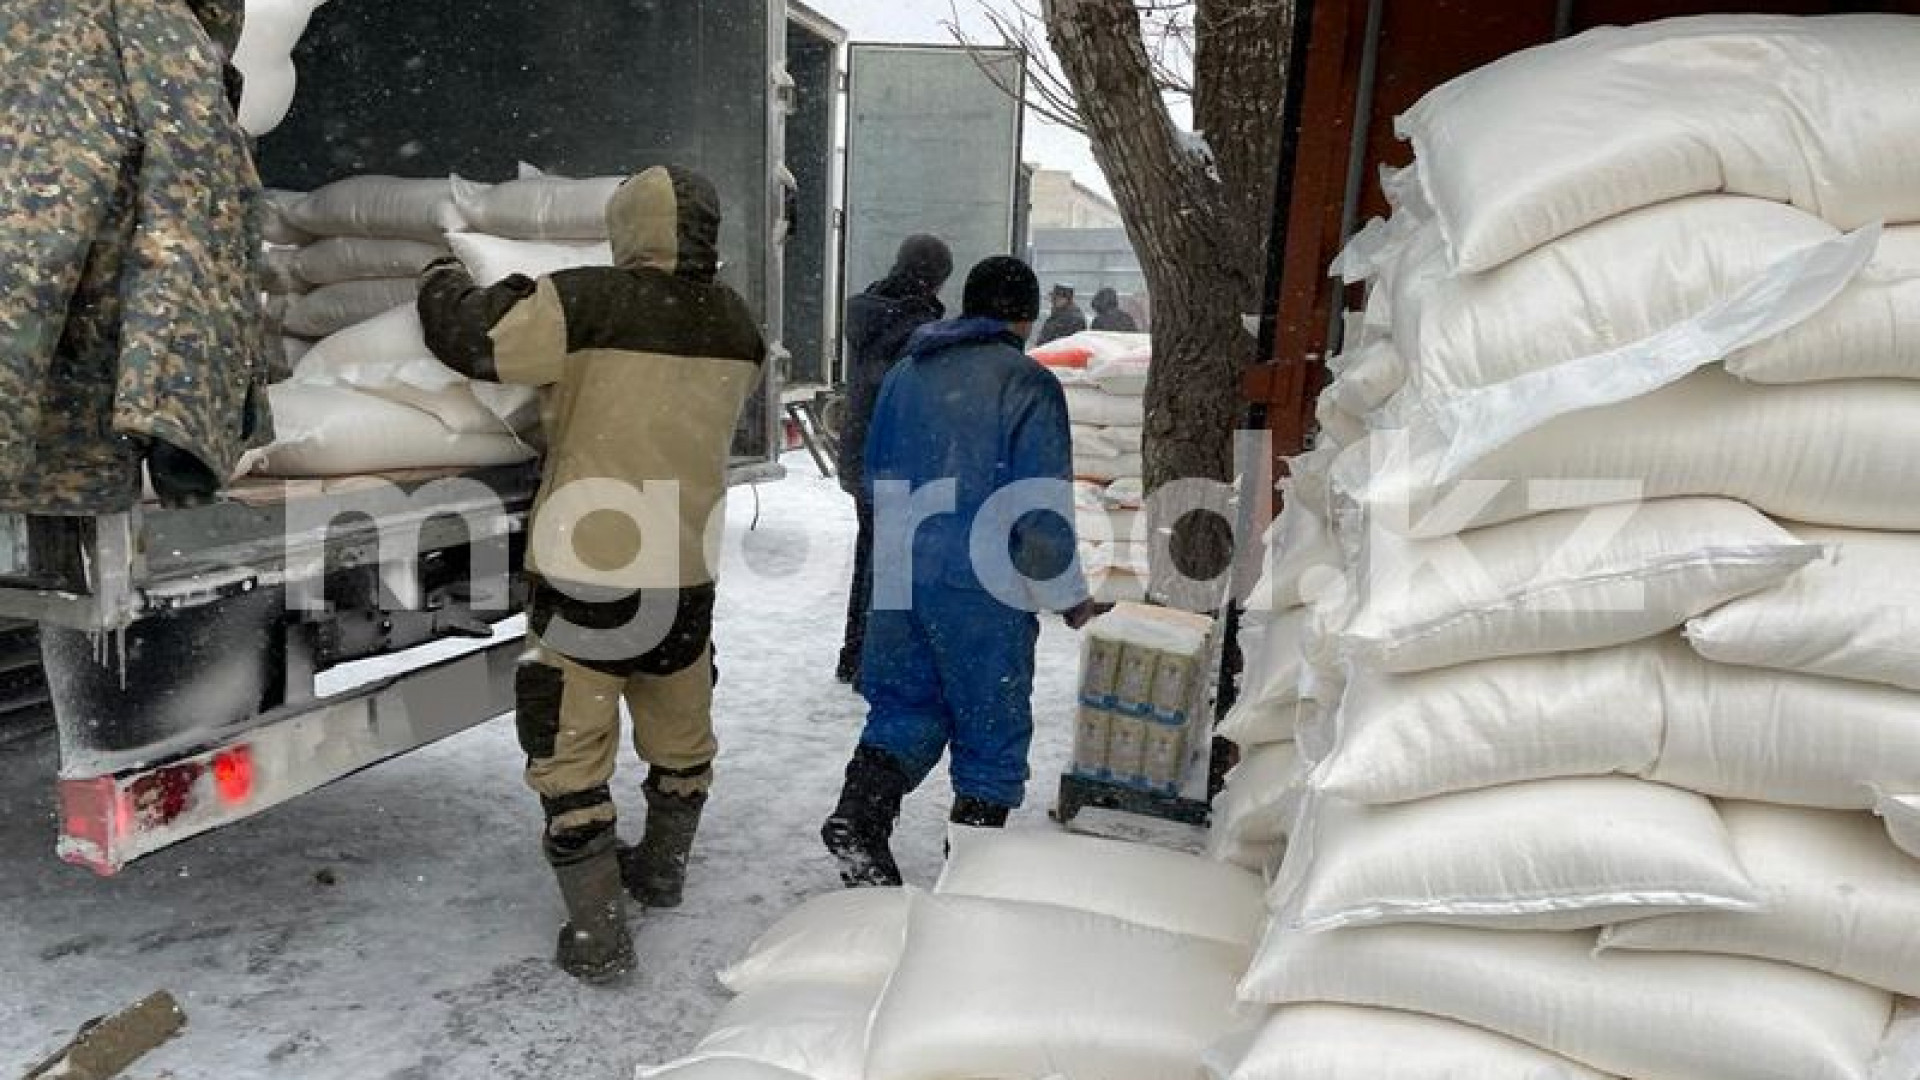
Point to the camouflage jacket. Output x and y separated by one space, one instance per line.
130 314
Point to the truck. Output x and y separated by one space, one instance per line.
202 665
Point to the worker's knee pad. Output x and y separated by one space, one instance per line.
580 813
566 846
538 689
689 783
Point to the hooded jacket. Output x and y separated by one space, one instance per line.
131 327
966 405
646 367
880 321
1108 314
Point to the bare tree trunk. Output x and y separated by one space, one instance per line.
1197 221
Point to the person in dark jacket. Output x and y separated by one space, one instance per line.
646 366
1065 320
968 422
1107 314
879 322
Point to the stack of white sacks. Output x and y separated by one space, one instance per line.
1037 955
1595 613
365 393
1105 377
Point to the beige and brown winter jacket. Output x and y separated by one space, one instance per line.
646 366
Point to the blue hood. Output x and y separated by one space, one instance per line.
953 333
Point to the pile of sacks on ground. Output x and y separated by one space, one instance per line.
1105 377
1584 714
362 391
1039 954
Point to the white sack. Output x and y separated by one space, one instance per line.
1653 709
1853 615
1396 738
1801 740
1615 283
1645 1015
1079 358
1549 855
1126 493
264 58
333 308
1108 467
1581 579
1871 331
1275 654
538 207
1371 377
1902 815
1107 440
996 988
1839 898
1337 426
385 206
1835 453
1788 109
1302 559
719 1069
360 258
815 1031
1257 804
1110 526
1138 883
491 259
277 275
388 356
1466 424
851 937
1125 370
1341 1042
276 205
1094 407
338 431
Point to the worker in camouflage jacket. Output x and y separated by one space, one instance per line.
646 366
131 329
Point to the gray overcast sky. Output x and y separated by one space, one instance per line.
924 21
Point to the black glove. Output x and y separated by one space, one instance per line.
1084 612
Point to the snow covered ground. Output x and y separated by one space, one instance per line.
398 925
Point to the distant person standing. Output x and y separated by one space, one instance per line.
879 322
1066 318
1107 314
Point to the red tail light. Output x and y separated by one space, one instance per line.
96 815
233 775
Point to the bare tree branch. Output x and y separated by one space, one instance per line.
1020 24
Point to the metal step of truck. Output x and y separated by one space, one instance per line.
25 707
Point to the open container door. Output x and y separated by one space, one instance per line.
933 146
816 69
575 87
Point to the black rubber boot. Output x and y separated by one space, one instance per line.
655 869
594 945
979 813
861 829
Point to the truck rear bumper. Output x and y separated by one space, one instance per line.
109 819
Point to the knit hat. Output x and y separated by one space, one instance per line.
924 259
1002 288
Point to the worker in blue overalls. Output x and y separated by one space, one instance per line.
969 463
